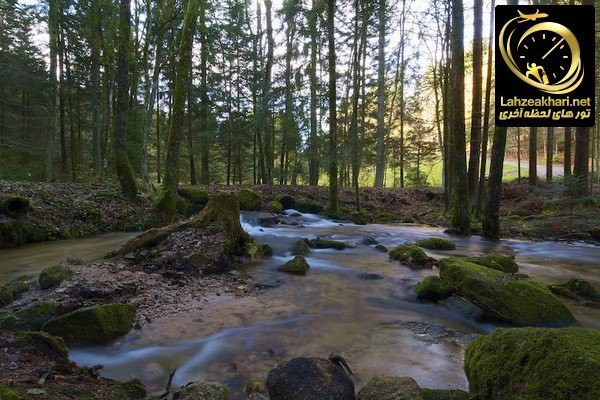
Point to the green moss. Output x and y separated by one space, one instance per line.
249 200
92 325
361 218
441 394
496 261
432 288
390 388
53 276
384 217
296 266
6 296
409 253
503 298
54 343
328 244
181 206
535 363
132 390
436 244
195 195
12 233
287 201
29 318
575 289
8 393
307 205
301 248
275 207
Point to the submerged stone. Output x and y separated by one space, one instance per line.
203 390
93 325
535 363
328 244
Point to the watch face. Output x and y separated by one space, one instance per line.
545 56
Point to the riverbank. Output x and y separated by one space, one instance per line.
66 211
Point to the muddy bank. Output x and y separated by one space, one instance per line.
67 210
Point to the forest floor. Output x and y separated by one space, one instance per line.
67 210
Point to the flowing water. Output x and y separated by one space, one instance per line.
379 326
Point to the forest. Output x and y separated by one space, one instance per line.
288 200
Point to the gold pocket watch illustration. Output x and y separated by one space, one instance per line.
543 54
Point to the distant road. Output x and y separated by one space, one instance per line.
557 169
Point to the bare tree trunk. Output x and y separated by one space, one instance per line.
313 138
380 163
95 30
205 152
476 100
333 172
533 156
568 151
124 170
549 153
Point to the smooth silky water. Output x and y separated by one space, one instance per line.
332 309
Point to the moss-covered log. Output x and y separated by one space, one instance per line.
14 206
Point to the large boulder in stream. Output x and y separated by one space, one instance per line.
296 266
502 297
432 288
203 390
28 318
412 255
390 388
93 325
305 378
577 289
535 363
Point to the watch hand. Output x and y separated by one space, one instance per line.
552 49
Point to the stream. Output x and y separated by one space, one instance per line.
379 326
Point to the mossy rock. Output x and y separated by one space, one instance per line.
381 248
132 390
535 363
576 289
9 393
195 195
301 248
328 244
205 390
14 206
296 266
287 201
307 205
6 296
249 200
53 276
275 207
432 288
436 244
29 318
503 298
497 262
410 254
442 394
181 206
390 388
13 233
93 325
44 343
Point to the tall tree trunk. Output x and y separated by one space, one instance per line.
491 214
61 96
582 159
476 100
261 118
549 153
568 151
52 125
205 152
171 181
333 171
313 167
95 32
519 153
533 155
461 221
124 170
380 162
